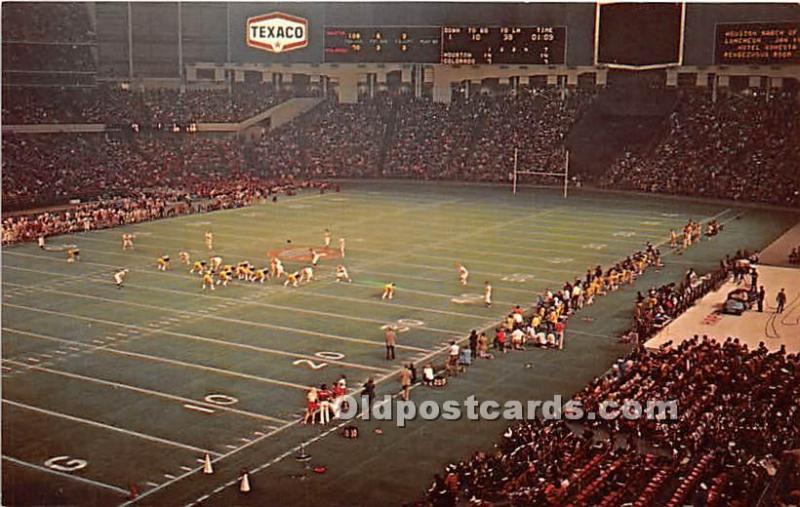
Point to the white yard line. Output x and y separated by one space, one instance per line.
151 392
66 475
224 319
176 362
109 427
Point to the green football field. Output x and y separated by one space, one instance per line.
105 388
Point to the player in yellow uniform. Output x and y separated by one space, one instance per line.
224 277
208 280
198 267
209 238
291 279
388 291
73 255
243 270
184 256
259 275
163 263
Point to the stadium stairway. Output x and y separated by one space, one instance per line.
626 118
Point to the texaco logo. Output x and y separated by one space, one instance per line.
277 32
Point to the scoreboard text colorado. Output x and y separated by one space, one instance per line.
535 45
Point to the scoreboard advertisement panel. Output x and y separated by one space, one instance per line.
758 43
474 45
389 44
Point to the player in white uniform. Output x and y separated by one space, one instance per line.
216 262
314 256
127 241
487 294
279 271
341 247
119 277
327 238
41 242
342 275
209 240
307 274
463 274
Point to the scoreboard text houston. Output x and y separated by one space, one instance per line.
467 45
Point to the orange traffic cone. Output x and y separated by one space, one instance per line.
244 485
207 468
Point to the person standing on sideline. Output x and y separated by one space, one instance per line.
780 299
452 358
390 337
369 390
760 298
473 343
487 294
405 382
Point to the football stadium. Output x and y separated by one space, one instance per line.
400 253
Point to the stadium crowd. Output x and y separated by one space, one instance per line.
47 22
743 146
117 107
53 168
737 414
662 304
475 140
231 190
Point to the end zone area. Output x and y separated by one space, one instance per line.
107 390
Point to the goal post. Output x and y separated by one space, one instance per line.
563 174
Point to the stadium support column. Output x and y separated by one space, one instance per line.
348 87
442 88
130 41
180 47
672 78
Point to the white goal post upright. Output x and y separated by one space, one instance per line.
517 172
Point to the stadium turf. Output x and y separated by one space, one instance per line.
106 388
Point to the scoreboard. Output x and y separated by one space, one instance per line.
467 45
390 44
535 45
758 43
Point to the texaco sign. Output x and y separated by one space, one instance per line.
277 32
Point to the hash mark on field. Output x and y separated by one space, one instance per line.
34 360
199 409
152 484
230 446
99 342
169 476
186 469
